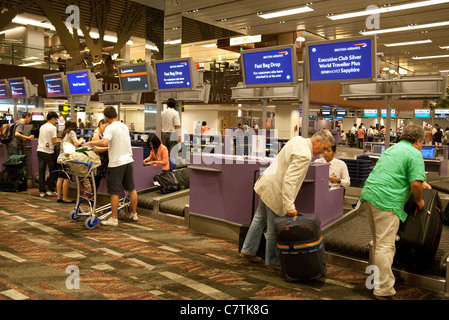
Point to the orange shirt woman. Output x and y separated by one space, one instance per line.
160 157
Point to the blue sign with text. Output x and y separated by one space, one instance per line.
79 82
174 75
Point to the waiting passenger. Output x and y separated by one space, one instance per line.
120 167
102 151
63 183
204 128
338 170
429 135
399 170
278 187
159 153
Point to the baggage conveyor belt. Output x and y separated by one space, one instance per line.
347 243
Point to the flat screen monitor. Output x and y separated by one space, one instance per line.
341 113
18 88
79 83
383 113
370 113
4 90
428 152
441 113
325 113
422 113
176 74
135 77
340 60
273 66
378 149
37 116
54 85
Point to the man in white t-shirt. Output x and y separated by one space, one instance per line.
121 164
46 155
338 170
171 125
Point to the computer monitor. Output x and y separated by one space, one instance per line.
428 152
79 82
54 85
19 88
176 74
4 89
378 149
135 77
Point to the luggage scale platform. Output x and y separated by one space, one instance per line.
347 243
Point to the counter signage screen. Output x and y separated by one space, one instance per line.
439 113
18 88
428 152
134 78
54 85
341 113
370 113
79 83
325 113
422 113
262 67
384 113
342 60
4 90
174 75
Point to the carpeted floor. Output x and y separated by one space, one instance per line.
42 252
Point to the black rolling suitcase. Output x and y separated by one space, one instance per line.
244 228
14 175
301 247
419 235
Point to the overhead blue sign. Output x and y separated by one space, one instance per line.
384 113
174 75
422 113
268 67
370 113
336 61
79 83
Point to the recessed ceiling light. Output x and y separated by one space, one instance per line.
407 28
431 57
284 13
397 44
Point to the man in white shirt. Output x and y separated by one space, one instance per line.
338 170
46 155
278 187
120 167
171 125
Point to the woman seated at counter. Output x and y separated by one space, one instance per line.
158 154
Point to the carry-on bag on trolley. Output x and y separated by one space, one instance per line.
301 247
419 236
14 175
245 228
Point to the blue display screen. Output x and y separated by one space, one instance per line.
268 67
174 75
345 60
3 90
428 152
422 113
54 85
79 82
370 113
383 113
18 89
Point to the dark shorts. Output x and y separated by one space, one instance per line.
62 174
118 177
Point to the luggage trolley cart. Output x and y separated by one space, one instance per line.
86 203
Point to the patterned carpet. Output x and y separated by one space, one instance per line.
42 252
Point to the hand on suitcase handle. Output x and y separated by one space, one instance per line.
292 213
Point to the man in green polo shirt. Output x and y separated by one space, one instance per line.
399 170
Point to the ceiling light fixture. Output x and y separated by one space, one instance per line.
284 13
407 28
397 44
444 47
413 5
431 57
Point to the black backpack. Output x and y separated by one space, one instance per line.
8 135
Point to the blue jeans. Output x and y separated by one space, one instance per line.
263 216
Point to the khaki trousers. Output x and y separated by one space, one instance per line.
384 228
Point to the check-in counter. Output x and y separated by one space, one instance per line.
435 156
221 191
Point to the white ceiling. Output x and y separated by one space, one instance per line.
241 14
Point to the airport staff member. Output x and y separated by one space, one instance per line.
170 124
120 167
278 187
399 170
338 170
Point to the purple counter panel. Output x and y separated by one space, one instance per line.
223 189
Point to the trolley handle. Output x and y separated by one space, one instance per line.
87 164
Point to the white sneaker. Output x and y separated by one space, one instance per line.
42 194
51 193
134 217
110 222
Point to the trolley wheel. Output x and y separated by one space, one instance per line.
91 222
73 216
121 214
